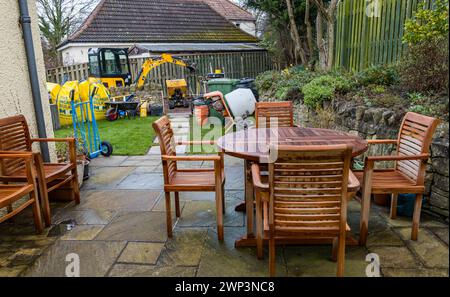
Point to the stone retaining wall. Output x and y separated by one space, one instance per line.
382 123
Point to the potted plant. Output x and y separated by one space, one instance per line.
82 159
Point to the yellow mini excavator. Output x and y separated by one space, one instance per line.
112 66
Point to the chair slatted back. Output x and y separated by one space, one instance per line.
308 189
166 139
274 114
14 136
415 136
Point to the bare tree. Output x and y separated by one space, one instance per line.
59 18
309 33
299 52
326 16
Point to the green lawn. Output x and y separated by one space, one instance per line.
128 137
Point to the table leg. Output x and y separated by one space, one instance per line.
365 204
249 198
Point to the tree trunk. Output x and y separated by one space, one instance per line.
326 49
320 42
294 33
309 34
330 37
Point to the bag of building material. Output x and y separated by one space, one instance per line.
52 90
63 102
86 87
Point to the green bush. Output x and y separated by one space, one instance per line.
425 66
425 110
427 24
323 88
283 85
378 75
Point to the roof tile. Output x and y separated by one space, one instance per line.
140 21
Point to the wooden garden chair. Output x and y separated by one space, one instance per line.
15 136
270 115
12 193
408 174
305 198
274 114
188 180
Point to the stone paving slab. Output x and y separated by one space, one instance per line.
12 271
233 162
224 260
185 248
141 163
130 270
136 226
316 261
123 200
154 150
142 181
85 216
394 272
384 238
106 177
96 258
234 178
111 161
395 257
141 253
433 253
86 232
161 204
203 214
442 233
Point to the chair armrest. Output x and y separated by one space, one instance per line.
353 183
70 139
397 158
28 157
256 176
382 141
190 158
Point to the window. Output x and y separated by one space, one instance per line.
94 67
110 65
108 62
123 63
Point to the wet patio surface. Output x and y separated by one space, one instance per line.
119 230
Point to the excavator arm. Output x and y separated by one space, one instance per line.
152 63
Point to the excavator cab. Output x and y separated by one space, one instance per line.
111 66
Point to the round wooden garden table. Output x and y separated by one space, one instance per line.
252 145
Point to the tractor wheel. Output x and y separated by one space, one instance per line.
171 104
112 115
106 148
185 103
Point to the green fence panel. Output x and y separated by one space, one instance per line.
366 36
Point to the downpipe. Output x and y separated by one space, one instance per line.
25 22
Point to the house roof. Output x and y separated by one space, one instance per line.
141 48
229 10
146 21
